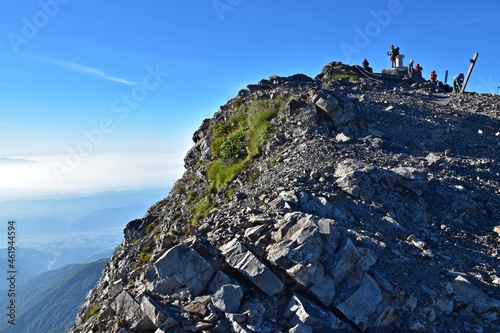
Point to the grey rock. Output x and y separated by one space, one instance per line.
157 313
301 328
255 232
468 294
240 328
301 311
318 206
218 281
360 306
341 137
236 317
131 310
240 258
228 298
166 277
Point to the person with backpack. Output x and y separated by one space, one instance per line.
393 53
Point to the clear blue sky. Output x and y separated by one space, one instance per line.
106 94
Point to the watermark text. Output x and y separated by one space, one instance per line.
224 6
31 25
11 272
363 36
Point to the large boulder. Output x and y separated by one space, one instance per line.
166 275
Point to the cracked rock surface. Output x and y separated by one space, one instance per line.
373 207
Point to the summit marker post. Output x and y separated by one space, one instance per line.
469 72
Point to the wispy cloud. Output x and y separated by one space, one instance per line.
8 160
88 70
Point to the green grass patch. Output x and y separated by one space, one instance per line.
94 308
201 209
235 143
344 75
149 228
221 173
239 140
144 257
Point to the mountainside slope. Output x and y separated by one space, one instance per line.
333 204
49 302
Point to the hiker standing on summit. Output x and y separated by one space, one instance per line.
393 53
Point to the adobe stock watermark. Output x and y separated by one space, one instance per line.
224 6
364 36
31 26
120 109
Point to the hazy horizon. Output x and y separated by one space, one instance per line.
41 175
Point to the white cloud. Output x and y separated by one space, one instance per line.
97 172
88 70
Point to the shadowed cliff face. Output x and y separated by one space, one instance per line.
334 204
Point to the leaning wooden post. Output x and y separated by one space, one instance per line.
471 67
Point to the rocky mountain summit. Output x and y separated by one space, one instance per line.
330 204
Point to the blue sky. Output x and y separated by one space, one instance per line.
102 95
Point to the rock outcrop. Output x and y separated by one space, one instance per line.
333 204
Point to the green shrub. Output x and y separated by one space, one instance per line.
233 147
239 140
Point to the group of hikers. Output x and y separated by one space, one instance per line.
415 74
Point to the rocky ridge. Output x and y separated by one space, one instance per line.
371 206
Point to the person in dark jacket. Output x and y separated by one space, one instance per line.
366 66
393 53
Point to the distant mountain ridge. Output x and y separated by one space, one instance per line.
49 302
29 263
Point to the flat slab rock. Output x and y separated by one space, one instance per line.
241 259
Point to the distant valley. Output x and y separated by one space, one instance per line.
55 231
49 302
